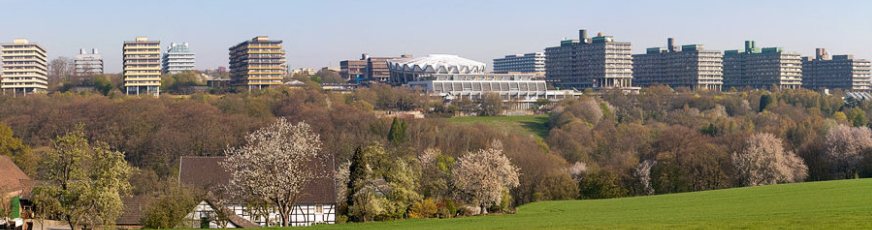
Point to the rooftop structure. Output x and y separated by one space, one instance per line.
404 70
25 68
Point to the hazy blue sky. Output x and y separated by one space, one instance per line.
323 32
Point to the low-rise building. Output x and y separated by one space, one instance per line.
524 90
836 72
316 205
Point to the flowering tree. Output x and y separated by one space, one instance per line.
276 164
764 161
482 177
845 146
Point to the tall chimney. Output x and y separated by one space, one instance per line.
582 36
671 44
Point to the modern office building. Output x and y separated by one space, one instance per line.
368 68
688 66
409 69
762 68
25 68
836 72
353 69
533 63
377 68
178 58
141 67
598 62
258 63
88 63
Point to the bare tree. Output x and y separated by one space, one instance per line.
845 146
481 177
276 164
765 161
60 70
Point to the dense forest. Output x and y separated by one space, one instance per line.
599 146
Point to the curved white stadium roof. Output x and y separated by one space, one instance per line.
437 63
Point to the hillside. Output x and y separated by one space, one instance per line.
529 124
845 204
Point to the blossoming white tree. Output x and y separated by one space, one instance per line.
481 177
276 164
845 146
765 161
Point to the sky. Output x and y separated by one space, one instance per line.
319 33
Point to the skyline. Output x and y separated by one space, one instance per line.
322 33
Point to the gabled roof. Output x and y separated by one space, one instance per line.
207 173
12 179
134 208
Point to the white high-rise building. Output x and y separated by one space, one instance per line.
178 58
521 63
25 68
89 63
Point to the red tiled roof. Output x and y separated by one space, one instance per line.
207 173
12 179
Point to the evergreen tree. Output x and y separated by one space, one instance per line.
397 134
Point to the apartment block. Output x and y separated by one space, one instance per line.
836 72
532 63
142 66
25 69
178 58
258 63
688 66
88 63
762 68
598 62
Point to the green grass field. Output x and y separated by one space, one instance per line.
845 204
531 124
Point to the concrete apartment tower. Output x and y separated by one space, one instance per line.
89 63
25 69
762 68
178 58
258 63
598 62
141 67
836 72
688 66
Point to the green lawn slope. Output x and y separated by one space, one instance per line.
529 124
845 204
